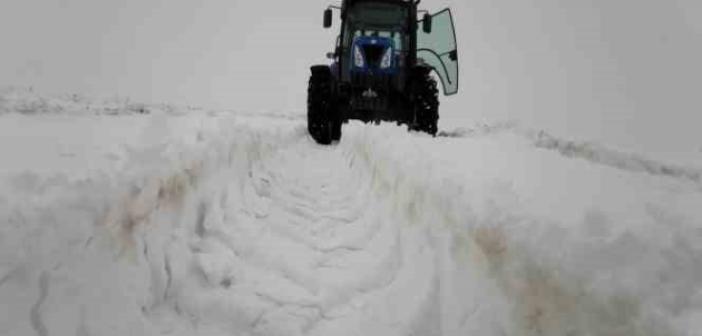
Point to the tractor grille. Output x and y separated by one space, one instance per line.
363 81
371 105
379 84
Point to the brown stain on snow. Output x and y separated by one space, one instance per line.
553 304
137 207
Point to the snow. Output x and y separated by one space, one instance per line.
117 220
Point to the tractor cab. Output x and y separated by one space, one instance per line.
374 38
388 33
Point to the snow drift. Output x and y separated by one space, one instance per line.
191 222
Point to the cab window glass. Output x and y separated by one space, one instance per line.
438 49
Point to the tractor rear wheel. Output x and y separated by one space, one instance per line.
336 131
425 107
322 122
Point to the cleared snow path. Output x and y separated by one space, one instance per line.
307 244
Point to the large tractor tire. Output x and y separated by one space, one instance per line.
336 130
425 102
323 122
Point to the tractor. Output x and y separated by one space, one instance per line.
381 68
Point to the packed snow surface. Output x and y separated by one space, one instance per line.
126 219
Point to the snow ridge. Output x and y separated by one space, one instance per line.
589 151
626 161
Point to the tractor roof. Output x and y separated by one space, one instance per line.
346 3
354 1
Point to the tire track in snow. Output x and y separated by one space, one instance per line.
326 187
310 245
358 255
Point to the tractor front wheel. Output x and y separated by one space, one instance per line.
322 122
425 102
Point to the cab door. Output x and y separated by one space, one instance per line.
438 49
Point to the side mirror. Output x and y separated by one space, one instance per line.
426 23
328 18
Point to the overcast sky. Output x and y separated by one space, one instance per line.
623 70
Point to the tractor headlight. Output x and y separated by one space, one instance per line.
386 62
358 57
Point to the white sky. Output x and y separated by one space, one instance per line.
627 71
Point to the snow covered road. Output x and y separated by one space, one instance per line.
209 223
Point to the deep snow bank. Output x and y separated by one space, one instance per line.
574 248
73 257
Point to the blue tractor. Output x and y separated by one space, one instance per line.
381 68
